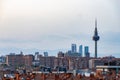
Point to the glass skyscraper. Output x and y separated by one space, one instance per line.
81 50
87 54
73 48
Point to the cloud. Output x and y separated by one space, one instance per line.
51 24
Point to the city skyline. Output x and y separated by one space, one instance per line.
27 25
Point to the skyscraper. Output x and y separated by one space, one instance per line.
45 54
86 48
36 56
80 50
73 48
86 51
96 37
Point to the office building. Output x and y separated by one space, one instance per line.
2 59
36 56
73 48
45 54
87 54
81 50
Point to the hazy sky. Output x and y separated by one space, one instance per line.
56 24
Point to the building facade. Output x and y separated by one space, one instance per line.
81 50
86 51
73 48
17 60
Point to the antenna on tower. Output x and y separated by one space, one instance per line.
96 22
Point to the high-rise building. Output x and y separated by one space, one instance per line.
2 59
73 48
81 50
36 56
15 59
69 51
96 37
87 54
60 54
86 49
28 59
19 60
47 61
45 54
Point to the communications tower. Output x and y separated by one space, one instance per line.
96 37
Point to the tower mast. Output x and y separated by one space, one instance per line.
96 37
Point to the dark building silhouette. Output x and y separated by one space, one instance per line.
96 37
87 54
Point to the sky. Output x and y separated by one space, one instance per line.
53 25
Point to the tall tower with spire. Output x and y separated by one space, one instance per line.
96 37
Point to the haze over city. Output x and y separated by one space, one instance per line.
52 25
